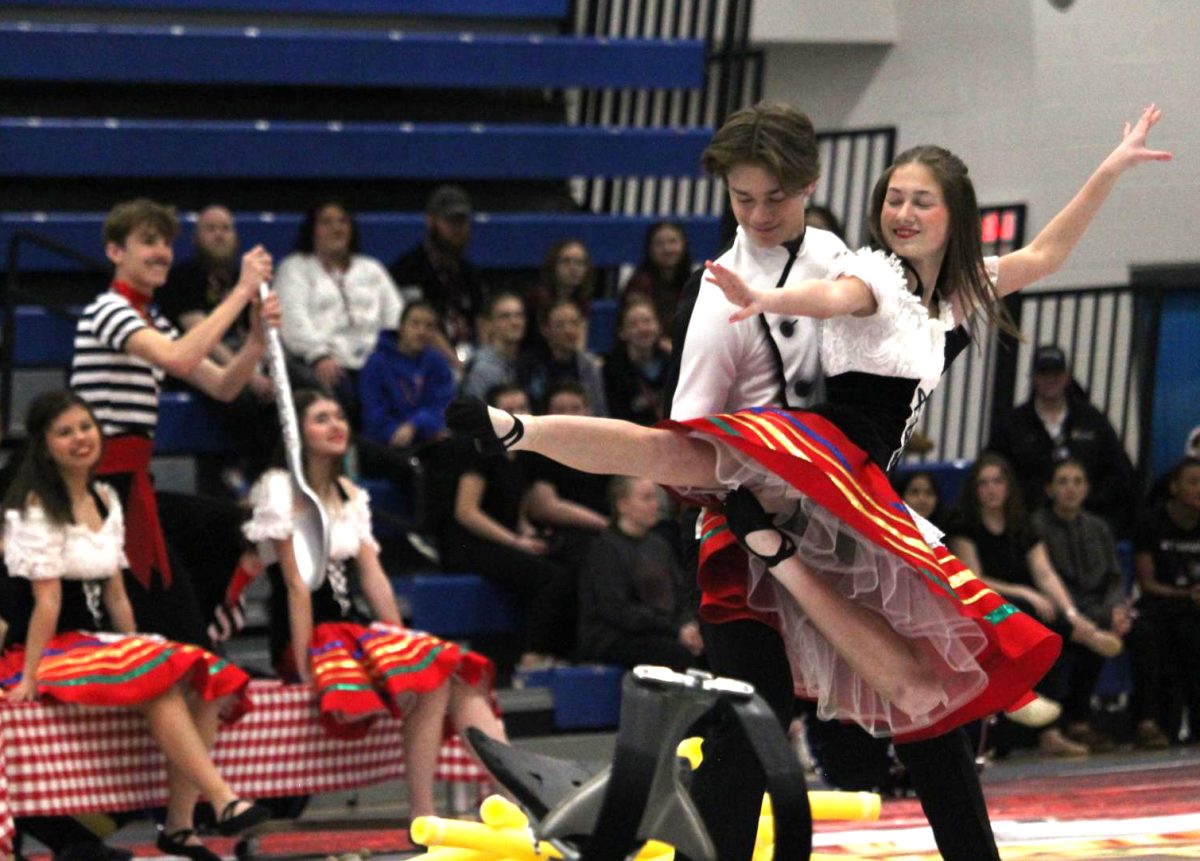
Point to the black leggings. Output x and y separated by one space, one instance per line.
729 784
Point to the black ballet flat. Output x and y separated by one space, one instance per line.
468 416
176 843
229 823
744 514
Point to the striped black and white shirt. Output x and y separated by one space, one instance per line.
121 388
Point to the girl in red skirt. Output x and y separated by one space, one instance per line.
64 533
362 667
882 625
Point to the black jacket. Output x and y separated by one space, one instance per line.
1086 435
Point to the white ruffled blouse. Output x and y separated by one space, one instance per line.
273 519
37 549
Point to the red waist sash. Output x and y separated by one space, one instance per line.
145 546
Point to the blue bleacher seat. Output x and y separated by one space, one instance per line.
280 57
42 338
587 696
187 424
457 605
129 148
525 9
498 240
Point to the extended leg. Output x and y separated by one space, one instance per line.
943 773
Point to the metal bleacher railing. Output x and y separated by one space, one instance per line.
1097 328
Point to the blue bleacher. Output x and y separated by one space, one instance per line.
498 240
42 339
585 697
949 475
524 9
293 150
457 605
272 57
187 424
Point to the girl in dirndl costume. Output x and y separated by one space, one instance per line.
362 667
882 625
64 534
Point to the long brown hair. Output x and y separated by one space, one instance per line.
37 473
1014 507
962 268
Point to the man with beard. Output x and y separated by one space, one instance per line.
193 289
438 271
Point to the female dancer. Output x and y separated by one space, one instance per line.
65 534
362 668
883 348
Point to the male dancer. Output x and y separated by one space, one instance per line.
767 156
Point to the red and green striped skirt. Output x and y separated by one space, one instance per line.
361 673
103 669
850 526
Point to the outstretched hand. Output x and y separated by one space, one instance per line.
1132 150
748 301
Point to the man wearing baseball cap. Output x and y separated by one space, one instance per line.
438 271
1057 422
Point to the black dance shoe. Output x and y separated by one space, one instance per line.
176 843
468 416
744 514
230 823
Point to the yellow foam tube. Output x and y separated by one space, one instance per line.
498 812
507 843
846 806
655 850
450 853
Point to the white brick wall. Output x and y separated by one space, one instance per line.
1032 98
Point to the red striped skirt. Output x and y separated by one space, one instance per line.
103 669
361 673
850 526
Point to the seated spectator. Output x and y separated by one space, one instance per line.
77 641
438 271
362 666
822 218
635 372
566 274
919 491
665 267
541 369
1083 552
193 290
990 533
489 534
1056 422
406 384
572 503
335 302
1164 645
123 350
495 362
634 608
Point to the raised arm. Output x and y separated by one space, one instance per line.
181 356
1051 247
815 297
225 382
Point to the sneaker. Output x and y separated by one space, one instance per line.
1053 743
1149 737
1037 713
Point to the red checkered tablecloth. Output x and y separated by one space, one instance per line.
65 759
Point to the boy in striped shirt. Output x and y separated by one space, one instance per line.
123 349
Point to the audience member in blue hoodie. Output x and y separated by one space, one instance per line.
406 383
